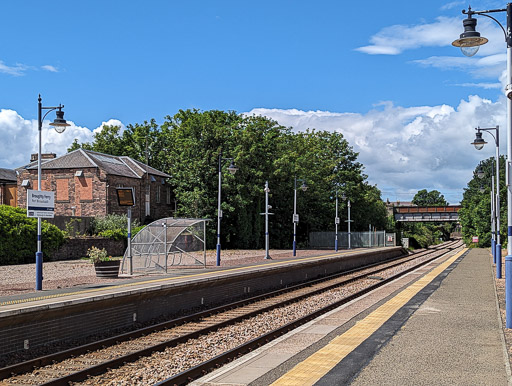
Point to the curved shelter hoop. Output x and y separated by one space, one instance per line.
165 243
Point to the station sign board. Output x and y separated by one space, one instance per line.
125 196
40 203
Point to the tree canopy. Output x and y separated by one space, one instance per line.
475 214
187 147
426 198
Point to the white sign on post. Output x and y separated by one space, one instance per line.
40 203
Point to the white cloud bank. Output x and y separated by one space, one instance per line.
408 149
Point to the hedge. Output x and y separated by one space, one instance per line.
18 236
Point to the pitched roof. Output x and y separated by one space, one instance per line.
7 175
115 165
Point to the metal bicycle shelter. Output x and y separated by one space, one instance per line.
165 243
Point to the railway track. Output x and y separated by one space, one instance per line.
223 332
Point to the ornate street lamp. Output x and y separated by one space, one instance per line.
470 40
479 143
232 168
60 125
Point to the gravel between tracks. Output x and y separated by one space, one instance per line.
20 279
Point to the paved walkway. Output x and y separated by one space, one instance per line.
454 338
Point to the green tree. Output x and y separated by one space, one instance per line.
426 198
187 147
475 214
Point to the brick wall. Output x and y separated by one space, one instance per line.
76 248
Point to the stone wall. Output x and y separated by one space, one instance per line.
76 248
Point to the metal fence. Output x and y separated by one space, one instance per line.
325 240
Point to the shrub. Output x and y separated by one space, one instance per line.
96 255
111 222
114 226
18 236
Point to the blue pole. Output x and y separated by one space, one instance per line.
498 261
39 271
218 254
493 251
294 246
508 290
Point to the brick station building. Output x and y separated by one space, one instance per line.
7 187
85 184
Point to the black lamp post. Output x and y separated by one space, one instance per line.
60 125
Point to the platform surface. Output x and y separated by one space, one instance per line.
437 326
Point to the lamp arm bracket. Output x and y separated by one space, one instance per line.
490 132
50 109
484 13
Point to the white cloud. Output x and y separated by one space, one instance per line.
486 86
17 70
49 68
408 149
395 39
20 69
453 4
110 122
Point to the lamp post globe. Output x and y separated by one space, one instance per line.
479 142
470 40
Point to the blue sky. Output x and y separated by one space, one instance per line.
385 75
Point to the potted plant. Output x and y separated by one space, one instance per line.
104 265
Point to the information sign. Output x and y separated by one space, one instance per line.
125 196
40 203
475 239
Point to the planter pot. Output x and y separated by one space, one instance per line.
107 268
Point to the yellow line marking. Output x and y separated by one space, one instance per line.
19 301
312 369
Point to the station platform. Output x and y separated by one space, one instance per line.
438 325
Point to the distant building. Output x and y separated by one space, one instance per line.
8 187
85 184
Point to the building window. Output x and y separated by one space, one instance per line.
168 196
62 189
158 195
85 188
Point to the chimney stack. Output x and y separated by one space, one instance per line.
33 157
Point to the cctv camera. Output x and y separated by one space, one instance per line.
508 91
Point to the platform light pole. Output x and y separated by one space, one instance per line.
479 143
232 169
469 42
60 125
266 214
336 222
344 197
304 187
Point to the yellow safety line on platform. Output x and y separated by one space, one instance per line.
19 301
312 369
